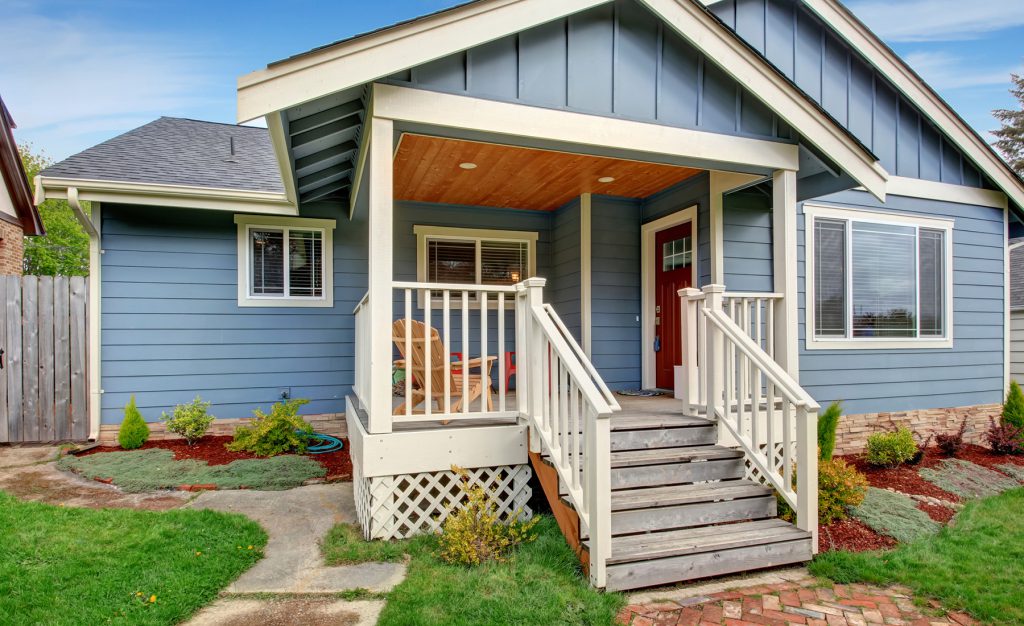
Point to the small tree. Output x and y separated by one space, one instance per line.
133 432
827 424
1013 408
191 420
64 250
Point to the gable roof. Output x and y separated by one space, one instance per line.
12 172
176 151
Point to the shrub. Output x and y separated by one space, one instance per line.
475 534
1004 438
950 443
840 485
279 432
1013 408
133 432
191 420
893 448
827 424
895 515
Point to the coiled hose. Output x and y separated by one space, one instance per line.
321 443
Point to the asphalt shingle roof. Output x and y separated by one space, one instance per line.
177 151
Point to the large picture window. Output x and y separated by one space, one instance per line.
482 257
284 261
876 279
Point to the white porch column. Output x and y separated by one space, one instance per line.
784 261
380 244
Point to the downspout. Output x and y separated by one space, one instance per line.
91 227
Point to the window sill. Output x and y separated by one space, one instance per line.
285 303
879 344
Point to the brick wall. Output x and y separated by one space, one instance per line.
11 248
853 431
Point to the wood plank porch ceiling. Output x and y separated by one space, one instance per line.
427 169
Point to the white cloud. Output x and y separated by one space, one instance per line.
944 71
71 82
938 20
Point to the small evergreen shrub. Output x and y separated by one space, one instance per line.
475 534
1013 408
191 420
1004 438
827 424
895 515
840 486
279 432
133 432
890 449
950 443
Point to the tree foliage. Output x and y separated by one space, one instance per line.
64 249
1010 138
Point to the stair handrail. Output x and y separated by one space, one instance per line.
568 409
742 378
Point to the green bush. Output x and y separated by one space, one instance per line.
280 431
191 420
895 515
840 486
133 432
827 424
1013 408
891 449
476 534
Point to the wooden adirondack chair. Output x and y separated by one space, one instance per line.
415 366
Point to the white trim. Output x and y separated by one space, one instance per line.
812 211
1007 313
152 194
784 272
648 232
362 59
282 152
586 280
418 106
361 157
93 225
380 275
246 223
917 91
944 192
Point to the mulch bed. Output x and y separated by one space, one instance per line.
211 449
854 536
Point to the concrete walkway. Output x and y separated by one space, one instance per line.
297 520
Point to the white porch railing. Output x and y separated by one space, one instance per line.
732 377
568 407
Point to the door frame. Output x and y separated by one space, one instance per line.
648 231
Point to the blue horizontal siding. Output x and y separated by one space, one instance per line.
172 328
564 278
747 242
971 372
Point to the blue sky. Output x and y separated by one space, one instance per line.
76 73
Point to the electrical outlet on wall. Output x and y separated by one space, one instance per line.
286 393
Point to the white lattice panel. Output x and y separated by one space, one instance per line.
396 507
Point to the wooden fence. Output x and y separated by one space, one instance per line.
43 383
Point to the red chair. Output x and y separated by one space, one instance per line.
510 367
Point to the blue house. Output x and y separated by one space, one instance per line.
464 233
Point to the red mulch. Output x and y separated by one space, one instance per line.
851 535
941 514
211 449
904 478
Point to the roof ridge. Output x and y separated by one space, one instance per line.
198 121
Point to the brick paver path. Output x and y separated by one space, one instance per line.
798 602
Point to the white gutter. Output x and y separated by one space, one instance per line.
95 297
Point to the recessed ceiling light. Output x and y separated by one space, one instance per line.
606 179
468 166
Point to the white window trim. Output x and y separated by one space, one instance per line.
423 233
248 222
813 211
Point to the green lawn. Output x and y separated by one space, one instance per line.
976 564
63 566
540 584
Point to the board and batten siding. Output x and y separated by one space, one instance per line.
615 60
808 52
172 327
970 373
1017 346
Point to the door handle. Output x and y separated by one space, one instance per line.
1 359
657 343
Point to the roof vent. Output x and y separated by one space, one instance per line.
231 151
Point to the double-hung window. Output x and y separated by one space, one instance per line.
472 256
284 261
877 280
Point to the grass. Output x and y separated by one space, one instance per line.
976 564
148 470
894 515
67 566
967 480
540 584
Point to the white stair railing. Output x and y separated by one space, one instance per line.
760 406
567 407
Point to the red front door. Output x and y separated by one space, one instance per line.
673 270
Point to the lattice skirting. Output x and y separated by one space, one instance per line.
396 507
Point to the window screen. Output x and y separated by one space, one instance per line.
486 262
830 278
299 274
267 262
932 258
451 261
305 263
503 262
884 283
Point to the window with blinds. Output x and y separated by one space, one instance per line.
477 261
878 280
286 263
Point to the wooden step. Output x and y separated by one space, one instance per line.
696 513
673 466
670 436
626 421
654 497
664 558
661 456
